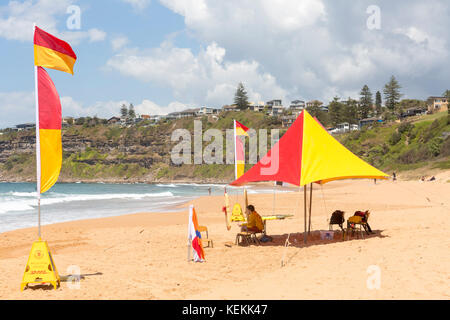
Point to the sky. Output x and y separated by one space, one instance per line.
169 55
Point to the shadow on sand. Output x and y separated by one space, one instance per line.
313 239
63 278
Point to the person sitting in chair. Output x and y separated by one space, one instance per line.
254 220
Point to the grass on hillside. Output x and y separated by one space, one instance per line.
404 146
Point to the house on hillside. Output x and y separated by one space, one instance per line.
205 111
170 116
233 107
25 126
273 103
343 127
437 104
287 121
256 106
297 105
183 114
276 111
412 112
323 108
313 103
274 107
67 121
368 121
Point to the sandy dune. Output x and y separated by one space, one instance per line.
144 256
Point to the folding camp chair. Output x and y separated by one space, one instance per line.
207 239
247 237
337 217
358 223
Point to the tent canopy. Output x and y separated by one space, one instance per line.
307 153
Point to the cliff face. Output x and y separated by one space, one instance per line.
104 153
142 153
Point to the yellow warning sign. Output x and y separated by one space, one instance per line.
237 214
40 267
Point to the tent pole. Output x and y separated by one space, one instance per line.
310 207
304 196
273 201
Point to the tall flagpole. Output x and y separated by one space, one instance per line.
235 153
38 146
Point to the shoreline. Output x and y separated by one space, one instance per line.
147 251
176 205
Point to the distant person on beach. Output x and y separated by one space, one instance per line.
254 221
394 177
423 178
432 178
209 190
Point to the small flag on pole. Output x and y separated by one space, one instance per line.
51 52
195 237
239 131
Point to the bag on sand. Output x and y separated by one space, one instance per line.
265 238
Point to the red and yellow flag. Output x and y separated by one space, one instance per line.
51 52
54 53
239 151
49 131
241 130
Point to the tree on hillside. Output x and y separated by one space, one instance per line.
350 111
131 113
124 111
392 93
365 102
447 95
240 97
315 111
378 103
335 109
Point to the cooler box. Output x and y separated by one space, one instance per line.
326 235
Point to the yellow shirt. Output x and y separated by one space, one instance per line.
255 220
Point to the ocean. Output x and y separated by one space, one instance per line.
76 201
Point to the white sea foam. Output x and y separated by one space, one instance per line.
18 203
9 206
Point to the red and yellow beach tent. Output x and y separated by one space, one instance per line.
307 153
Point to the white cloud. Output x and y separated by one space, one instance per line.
205 78
315 48
75 37
207 16
119 42
17 108
17 19
151 108
138 4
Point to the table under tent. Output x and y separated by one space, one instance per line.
308 154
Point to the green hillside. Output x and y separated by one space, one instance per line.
100 152
404 146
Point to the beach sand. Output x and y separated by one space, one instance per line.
144 256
